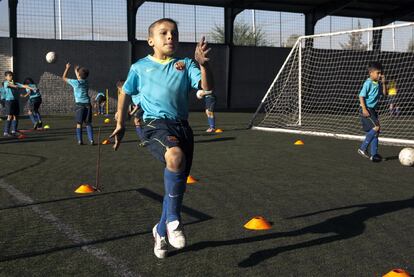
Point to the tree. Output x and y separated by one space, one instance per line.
242 35
411 46
354 41
291 40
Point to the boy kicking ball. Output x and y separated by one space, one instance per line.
164 81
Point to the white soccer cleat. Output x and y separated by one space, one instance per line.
160 244
175 234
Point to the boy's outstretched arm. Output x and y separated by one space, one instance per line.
123 103
207 82
365 111
65 73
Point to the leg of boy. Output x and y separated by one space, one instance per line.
79 110
87 118
371 126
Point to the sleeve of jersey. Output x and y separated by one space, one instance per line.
130 86
194 74
364 90
72 82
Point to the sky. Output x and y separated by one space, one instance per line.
106 20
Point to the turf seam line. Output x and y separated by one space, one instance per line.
115 264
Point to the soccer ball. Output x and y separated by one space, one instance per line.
200 94
51 57
406 157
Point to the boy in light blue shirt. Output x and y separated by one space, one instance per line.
82 100
163 83
35 100
100 101
369 96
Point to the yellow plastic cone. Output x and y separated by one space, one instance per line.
299 142
258 223
85 188
397 273
219 131
46 127
191 180
107 120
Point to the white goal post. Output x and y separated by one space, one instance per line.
316 90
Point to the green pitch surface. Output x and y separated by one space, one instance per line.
333 212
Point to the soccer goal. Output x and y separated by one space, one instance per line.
316 90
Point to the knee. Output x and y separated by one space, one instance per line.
175 159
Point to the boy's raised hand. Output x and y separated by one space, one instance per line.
201 52
68 65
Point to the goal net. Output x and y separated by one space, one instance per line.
316 90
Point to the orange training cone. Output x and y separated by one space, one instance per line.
21 136
397 273
219 131
299 142
258 223
85 188
106 141
191 180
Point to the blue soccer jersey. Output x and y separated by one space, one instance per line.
163 86
100 94
2 93
80 90
11 94
136 99
371 91
33 93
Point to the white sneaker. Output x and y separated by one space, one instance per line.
160 244
175 234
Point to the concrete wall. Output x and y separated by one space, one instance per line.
251 72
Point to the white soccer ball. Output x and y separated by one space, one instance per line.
406 156
51 57
200 94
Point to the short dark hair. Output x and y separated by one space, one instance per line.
159 21
374 66
83 73
8 73
120 83
28 80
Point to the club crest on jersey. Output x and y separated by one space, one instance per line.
179 65
172 139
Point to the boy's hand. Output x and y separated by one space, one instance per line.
365 113
67 65
118 134
76 67
383 78
201 52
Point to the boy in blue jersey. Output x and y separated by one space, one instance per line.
210 104
11 99
164 81
83 107
369 96
100 101
35 99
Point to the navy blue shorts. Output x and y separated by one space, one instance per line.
139 114
34 104
210 102
12 107
83 113
369 122
162 134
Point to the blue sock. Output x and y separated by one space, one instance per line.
89 130
7 126
38 117
175 185
14 126
370 135
138 129
162 225
211 122
374 146
79 134
32 118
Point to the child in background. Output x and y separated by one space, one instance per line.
35 100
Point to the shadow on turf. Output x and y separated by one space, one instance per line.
214 140
200 217
41 160
343 227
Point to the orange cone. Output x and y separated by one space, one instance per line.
258 223
191 180
85 188
219 131
299 142
21 136
106 141
397 273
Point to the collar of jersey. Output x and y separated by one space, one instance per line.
167 60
